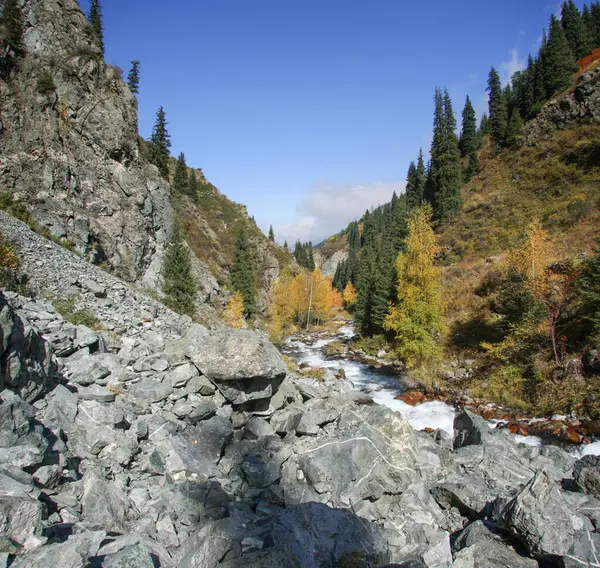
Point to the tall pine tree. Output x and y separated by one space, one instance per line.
242 273
468 140
271 233
161 143
180 177
558 63
576 31
192 185
410 185
95 20
133 78
420 179
497 107
179 286
446 171
514 129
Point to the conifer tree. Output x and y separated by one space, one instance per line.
285 246
180 177
271 233
523 88
133 78
11 25
420 179
559 63
242 273
484 127
192 185
446 172
417 318
539 87
179 286
594 24
497 107
95 20
468 140
310 260
576 32
514 129
410 185
354 236
161 143
468 133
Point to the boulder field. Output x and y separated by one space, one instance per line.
200 449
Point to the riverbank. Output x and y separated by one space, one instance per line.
427 407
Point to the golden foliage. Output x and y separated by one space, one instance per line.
349 295
417 319
302 299
233 315
8 258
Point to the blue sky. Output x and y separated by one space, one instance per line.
310 111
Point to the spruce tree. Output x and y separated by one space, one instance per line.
559 63
242 273
469 141
410 182
133 78
180 177
11 25
285 246
161 143
95 20
192 185
446 171
420 179
523 89
484 128
468 133
271 233
576 31
497 108
179 286
514 129
594 24
539 88
310 260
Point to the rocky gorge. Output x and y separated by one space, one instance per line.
154 441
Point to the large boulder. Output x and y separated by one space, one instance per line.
244 365
26 363
586 475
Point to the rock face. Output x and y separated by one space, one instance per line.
581 106
72 150
329 264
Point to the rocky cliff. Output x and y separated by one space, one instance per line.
68 139
581 106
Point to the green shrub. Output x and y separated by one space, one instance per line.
67 309
45 83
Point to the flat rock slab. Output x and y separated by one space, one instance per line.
237 355
150 390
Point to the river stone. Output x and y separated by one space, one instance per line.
470 429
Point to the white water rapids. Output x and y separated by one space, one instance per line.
383 389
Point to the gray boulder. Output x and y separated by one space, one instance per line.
26 363
586 475
244 365
103 504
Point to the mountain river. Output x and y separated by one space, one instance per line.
384 388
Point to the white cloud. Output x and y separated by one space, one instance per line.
330 206
514 64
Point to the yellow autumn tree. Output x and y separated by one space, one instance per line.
550 284
281 307
233 315
417 317
349 295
